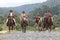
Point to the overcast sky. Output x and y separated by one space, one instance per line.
14 3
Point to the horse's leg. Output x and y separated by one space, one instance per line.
12 28
24 29
35 27
39 27
21 26
44 28
49 28
9 28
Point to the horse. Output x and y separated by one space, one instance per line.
24 23
38 25
10 23
47 23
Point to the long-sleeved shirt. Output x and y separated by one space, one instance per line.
11 15
47 15
22 15
37 17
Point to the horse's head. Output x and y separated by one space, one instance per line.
10 18
24 21
51 19
24 18
10 21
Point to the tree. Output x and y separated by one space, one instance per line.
1 20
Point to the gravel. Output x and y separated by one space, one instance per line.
32 36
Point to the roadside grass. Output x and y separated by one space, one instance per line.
4 27
29 28
17 27
57 30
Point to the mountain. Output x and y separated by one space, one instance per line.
29 7
19 9
26 8
51 3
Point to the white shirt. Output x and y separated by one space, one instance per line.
11 14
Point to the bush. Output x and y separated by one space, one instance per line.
17 27
31 22
1 29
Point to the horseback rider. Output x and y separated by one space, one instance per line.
37 18
37 23
23 21
10 14
47 14
47 20
23 16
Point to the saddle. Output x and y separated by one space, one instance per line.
48 21
10 23
24 21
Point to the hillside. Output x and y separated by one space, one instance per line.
29 7
51 3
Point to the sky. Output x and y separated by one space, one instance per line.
14 3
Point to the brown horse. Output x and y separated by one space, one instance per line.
47 23
24 23
10 23
38 26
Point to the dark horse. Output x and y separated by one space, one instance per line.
10 23
47 23
24 23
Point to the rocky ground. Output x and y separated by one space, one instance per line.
31 36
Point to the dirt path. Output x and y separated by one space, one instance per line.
32 36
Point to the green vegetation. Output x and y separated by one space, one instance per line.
57 30
54 10
33 11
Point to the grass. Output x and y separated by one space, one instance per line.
29 28
17 27
57 30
